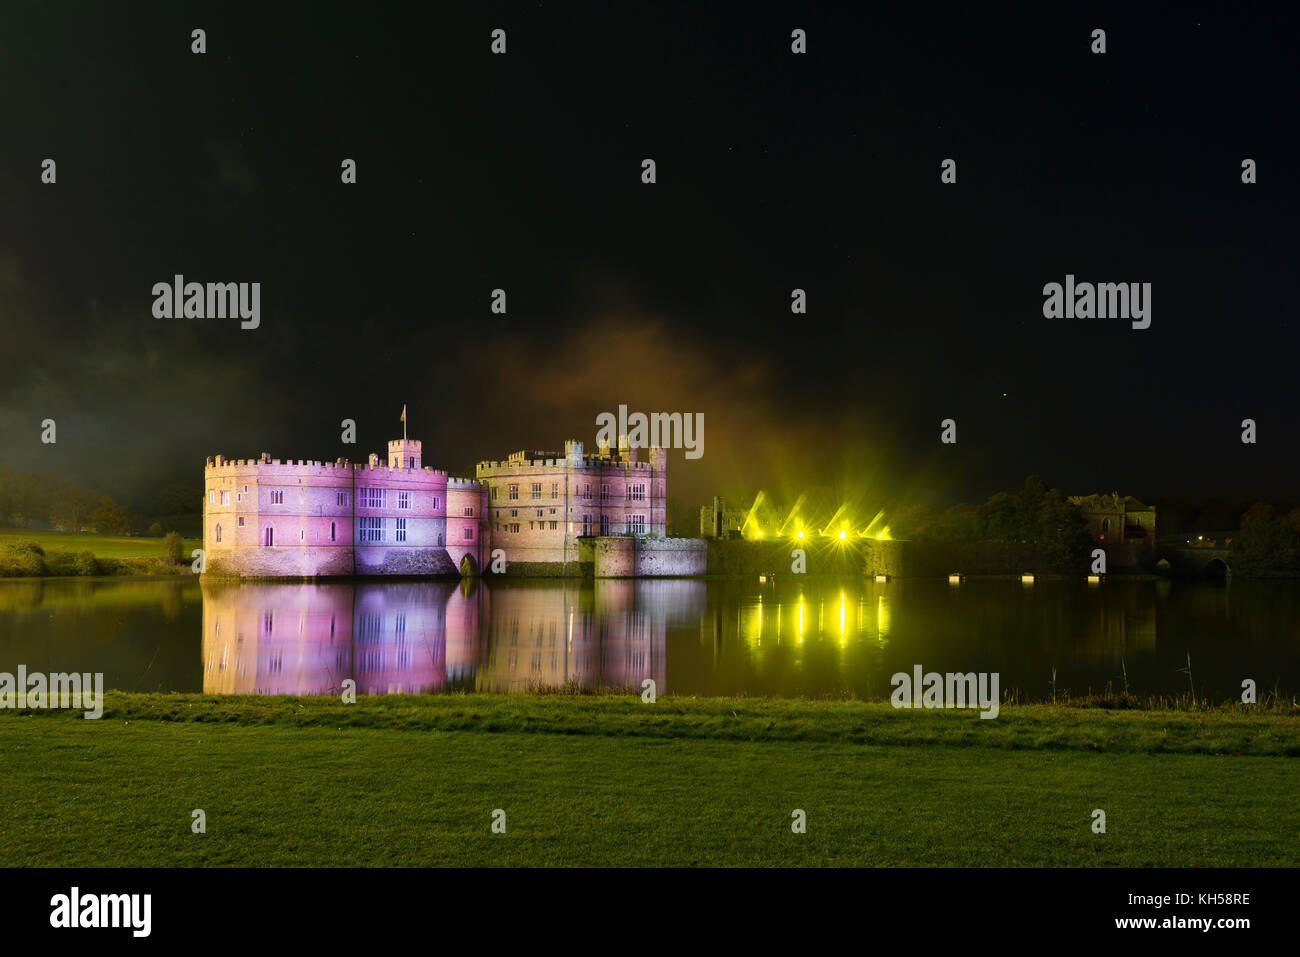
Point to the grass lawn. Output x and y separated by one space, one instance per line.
413 781
104 546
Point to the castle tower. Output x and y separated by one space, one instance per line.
404 454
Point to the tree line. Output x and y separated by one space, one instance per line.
30 499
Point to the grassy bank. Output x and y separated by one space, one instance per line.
413 781
102 546
35 554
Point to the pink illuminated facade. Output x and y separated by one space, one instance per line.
267 518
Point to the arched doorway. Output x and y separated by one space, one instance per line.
468 567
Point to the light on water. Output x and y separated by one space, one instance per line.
691 637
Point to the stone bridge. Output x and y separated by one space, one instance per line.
1190 560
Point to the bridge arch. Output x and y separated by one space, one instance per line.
1216 568
468 566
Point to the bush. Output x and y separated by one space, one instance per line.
173 548
155 530
86 563
22 558
60 562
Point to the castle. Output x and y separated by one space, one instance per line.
542 510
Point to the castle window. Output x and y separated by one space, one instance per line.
552 511
371 529
586 490
341 499
410 463
403 499
245 489
469 511
268 538
586 524
400 531
333 532
513 489
555 490
218 533
239 496
514 526
604 492
469 532
372 498
636 524
225 498
539 513
537 490
553 526
604 525
277 496
494 493
302 534
435 503
514 513
636 493
240 521
212 496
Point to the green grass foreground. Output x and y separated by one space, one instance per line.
104 546
608 780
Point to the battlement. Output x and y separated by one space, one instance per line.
519 460
434 476
464 483
220 465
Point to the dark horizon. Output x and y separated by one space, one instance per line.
775 171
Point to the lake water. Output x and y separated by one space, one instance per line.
812 638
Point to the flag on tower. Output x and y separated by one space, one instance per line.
403 421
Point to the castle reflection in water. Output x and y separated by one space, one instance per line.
394 638
822 638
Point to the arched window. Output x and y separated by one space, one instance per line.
218 533
1105 528
269 538
333 532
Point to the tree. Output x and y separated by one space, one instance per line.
109 518
6 493
31 497
72 507
173 547
180 498
1266 545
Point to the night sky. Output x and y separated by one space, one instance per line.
775 171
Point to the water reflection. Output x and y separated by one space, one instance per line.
812 638
418 638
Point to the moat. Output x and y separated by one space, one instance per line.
813 638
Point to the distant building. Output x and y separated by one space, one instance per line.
733 518
1118 521
541 503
